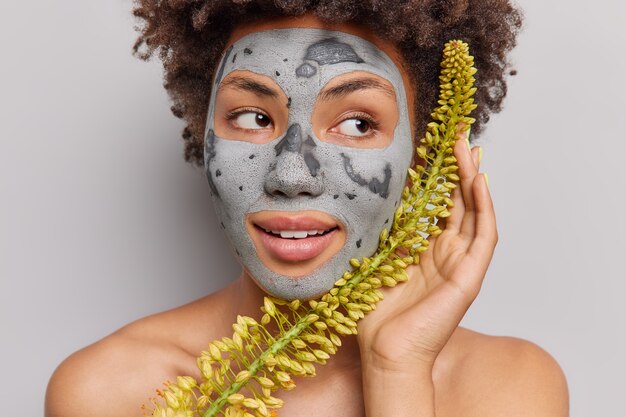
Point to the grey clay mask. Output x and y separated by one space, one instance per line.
297 171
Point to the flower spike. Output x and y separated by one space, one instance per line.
240 374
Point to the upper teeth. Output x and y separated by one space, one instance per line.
297 234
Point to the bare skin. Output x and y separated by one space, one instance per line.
410 358
473 375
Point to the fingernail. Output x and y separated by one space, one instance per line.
480 154
486 179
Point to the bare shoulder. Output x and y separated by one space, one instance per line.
495 376
116 375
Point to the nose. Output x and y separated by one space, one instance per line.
295 172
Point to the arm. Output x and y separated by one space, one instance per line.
401 341
398 394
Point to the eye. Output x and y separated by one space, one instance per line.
354 127
251 120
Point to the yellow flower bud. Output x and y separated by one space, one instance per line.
171 400
274 402
250 403
309 368
237 340
262 410
320 325
265 382
389 282
320 354
296 368
443 214
215 352
205 368
283 361
202 401
283 376
242 376
332 322
269 306
355 315
271 361
298 344
186 383
235 399
341 329
311 318
305 356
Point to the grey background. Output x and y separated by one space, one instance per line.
102 223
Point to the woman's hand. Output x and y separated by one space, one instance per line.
415 320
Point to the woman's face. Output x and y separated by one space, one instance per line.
307 146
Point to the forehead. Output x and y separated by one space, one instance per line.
305 59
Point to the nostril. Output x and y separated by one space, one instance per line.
291 178
282 189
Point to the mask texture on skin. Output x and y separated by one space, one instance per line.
297 171
331 51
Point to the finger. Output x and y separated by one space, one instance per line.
468 229
469 279
462 133
453 223
486 235
477 156
467 173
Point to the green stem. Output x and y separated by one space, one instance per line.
303 323
401 231
276 347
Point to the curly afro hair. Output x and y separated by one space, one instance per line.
189 36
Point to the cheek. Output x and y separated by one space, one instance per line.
368 185
375 182
373 175
236 174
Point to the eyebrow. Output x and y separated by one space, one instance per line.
350 86
248 84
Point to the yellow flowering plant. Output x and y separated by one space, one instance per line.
240 373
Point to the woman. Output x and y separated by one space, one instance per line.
307 135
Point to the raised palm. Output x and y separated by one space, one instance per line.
416 319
